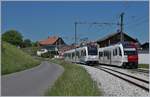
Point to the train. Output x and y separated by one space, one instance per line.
85 55
122 54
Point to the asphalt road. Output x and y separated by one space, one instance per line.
31 82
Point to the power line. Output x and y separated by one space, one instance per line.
127 6
135 19
136 23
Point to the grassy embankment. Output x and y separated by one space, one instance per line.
14 59
75 81
146 66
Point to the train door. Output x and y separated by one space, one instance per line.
109 56
83 55
100 57
115 56
119 57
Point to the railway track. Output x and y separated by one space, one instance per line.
142 70
136 70
139 82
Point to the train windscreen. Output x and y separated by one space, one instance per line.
130 52
92 50
128 45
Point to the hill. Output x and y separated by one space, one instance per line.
14 59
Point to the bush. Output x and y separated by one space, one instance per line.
49 54
46 55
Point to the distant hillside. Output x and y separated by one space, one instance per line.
14 59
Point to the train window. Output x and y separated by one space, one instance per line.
81 53
65 55
116 52
100 54
77 53
108 54
120 52
73 55
68 55
130 52
104 53
92 50
84 52
113 52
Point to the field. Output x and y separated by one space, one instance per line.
75 81
146 66
14 59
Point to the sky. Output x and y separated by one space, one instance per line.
36 20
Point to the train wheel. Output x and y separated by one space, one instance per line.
124 65
135 66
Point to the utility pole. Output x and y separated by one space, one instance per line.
75 24
121 27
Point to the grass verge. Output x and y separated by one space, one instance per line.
75 81
14 59
146 66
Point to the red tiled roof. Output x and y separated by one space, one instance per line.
50 41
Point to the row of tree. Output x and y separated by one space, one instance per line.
15 38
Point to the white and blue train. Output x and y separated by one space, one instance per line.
120 54
85 55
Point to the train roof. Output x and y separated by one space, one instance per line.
124 44
74 49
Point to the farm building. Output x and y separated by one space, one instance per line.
53 40
115 38
145 46
52 43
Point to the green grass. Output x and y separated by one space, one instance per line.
14 59
75 81
146 66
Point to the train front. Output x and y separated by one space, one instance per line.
130 55
92 57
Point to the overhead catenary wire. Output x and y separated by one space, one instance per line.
137 23
137 19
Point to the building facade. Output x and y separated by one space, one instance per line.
115 38
52 43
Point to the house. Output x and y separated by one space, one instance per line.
52 40
52 43
145 46
115 38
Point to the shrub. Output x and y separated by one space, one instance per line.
45 55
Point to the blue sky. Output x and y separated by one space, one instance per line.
38 20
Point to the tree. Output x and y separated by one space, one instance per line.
27 43
13 37
35 44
